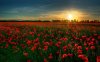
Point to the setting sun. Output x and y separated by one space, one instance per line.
69 16
73 15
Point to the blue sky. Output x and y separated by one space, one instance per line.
48 9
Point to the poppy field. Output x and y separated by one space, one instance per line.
29 43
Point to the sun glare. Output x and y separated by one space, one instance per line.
73 15
70 17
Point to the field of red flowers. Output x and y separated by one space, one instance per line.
28 43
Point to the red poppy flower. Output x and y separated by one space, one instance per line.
6 46
46 43
85 44
79 47
99 37
92 43
92 47
31 33
65 39
25 54
45 48
36 40
57 45
79 51
57 52
70 55
45 60
75 45
64 48
29 60
98 58
29 42
86 48
59 42
95 34
33 48
23 46
50 56
51 43
83 57
64 56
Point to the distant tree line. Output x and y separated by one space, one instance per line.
90 21
74 21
